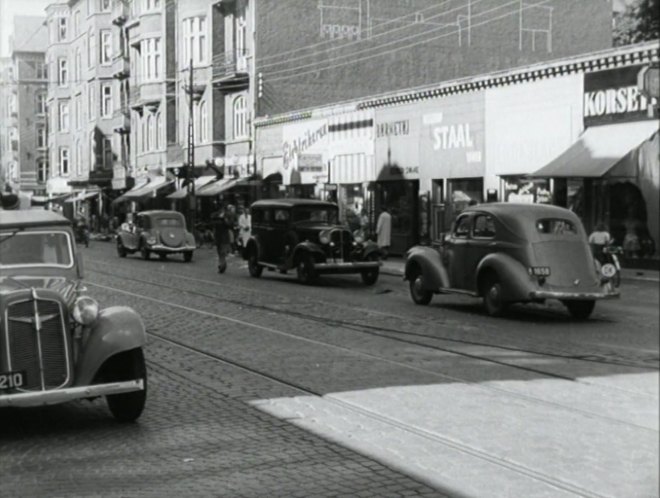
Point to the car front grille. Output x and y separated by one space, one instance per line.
37 343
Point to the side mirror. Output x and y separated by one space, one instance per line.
80 268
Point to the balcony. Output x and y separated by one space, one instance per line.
121 68
119 12
230 71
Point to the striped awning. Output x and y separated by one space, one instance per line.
199 183
352 168
217 187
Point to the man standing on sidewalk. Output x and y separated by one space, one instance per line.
223 223
384 232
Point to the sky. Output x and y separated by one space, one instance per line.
10 8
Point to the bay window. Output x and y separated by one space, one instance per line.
151 59
194 41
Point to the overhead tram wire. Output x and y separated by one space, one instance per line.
297 73
394 42
364 40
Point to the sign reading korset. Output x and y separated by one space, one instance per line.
613 96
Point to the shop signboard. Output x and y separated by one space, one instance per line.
397 133
304 152
452 137
613 96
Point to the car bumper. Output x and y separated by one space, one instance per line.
352 267
573 296
55 396
162 248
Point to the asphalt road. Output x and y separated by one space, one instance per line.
267 387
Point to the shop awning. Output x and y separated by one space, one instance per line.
598 150
144 189
199 183
216 188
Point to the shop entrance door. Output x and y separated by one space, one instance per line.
438 224
401 198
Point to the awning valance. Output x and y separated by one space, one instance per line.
598 150
144 189
82 196
199 183
216 188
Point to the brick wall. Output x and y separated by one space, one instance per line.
312 53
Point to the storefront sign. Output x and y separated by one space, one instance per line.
393 128
397 142
299 143
613 97
452 140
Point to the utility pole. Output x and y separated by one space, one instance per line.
190 177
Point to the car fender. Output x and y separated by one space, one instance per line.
427 259
513 276
309 247
189 239
252 242
370 248
117 329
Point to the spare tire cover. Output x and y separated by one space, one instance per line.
172 237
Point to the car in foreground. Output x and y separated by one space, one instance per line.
56 344
157 232
305 235
512 253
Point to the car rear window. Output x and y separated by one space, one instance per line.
556 226
169 222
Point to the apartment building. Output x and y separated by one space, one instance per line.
23 152
82 95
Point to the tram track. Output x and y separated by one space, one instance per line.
390 422
412 338
355 352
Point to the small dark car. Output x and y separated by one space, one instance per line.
305 234
507 253
56 343
158 232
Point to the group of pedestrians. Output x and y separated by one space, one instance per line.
230 230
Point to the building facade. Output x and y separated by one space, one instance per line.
82 97
24 156
532 134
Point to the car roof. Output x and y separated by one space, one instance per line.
291 203
27 218
510 210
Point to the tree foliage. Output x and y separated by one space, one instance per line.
639 22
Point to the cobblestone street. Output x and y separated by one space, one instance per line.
264 387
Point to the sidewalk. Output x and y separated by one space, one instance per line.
395 265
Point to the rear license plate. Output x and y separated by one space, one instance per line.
11 380
539 271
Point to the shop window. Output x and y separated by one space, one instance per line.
484 227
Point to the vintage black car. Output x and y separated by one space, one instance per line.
305 234
507 253
56 345
157 232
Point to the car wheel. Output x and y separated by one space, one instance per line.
493 299
254 267
121 250
145 252
130 365
418 294
187 256
305 269
370 277
580 309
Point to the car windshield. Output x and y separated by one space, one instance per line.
314 214
168 222
556 226
35 249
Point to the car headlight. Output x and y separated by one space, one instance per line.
358 239
324 237
608 270
85 310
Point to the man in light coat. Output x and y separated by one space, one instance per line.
384 232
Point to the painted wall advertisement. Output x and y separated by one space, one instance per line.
397 143
304 151
452 139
